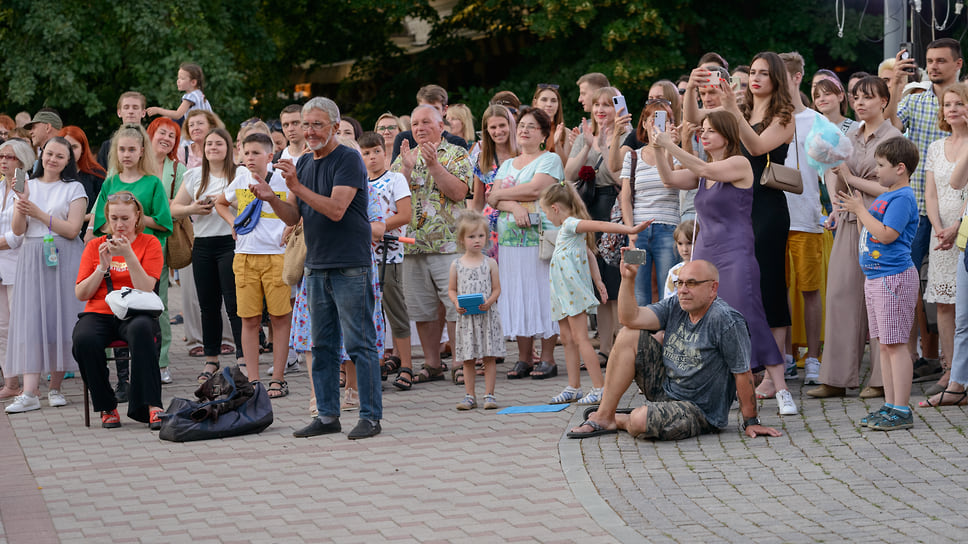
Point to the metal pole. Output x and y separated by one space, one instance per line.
895 27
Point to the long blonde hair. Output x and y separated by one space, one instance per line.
147 164
564 193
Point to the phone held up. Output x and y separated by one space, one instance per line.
20 179
634 256
907 51
661 116
620 107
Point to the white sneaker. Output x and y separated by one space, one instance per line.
166 375
23 403
812 368
55 398
785 402
291 366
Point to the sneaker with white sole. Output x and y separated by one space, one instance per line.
490 402
25 402
569 394
593 397
291 366
790 369
166 375
784 401
469 403
812 370
55 398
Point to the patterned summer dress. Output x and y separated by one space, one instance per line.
478 335
943 264
571 280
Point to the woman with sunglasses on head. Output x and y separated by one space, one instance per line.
125 257
48 213
14 154
650 199
524 305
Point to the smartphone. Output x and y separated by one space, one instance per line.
634 256
661 117
19 180
907 52
619 103
735 82
208 200
534 219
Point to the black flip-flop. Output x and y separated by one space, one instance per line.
598 430
591 410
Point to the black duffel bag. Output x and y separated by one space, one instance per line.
229 405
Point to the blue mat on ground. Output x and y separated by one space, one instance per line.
537 408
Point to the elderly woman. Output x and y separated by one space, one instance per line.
525 306
127 257
14 154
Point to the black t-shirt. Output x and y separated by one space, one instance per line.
632 141
343 243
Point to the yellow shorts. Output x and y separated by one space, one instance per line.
805 250
259 277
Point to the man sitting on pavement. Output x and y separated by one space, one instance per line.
690 381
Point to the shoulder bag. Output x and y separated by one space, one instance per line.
610 244
178 246
294 259
783 178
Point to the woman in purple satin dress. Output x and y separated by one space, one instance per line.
723 205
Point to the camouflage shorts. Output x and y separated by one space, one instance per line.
666 419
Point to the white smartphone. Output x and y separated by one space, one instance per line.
661 117
19 179
619 103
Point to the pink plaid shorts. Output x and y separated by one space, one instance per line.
890 306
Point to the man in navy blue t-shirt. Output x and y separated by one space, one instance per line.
330 186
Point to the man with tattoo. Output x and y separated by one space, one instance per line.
689 381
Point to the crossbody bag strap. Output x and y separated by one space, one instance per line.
635 164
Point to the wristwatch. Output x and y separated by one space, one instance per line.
751 421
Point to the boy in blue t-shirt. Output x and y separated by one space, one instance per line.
891 287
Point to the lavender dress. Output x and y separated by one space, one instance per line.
726 239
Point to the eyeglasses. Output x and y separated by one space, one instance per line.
548 86
121 197
316 125
386 128
528 127
8 157
663 101
691 284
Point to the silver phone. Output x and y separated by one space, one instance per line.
534 218
619 103
661 116
634 256
19 180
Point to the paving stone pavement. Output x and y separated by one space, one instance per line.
438 475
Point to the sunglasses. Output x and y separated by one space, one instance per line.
121 197
548 86
663 101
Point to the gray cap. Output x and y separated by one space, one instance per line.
48 117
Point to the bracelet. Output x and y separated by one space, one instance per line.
100 269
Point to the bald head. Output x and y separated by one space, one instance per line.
702 268
698 287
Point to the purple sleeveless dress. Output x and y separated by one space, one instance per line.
725 239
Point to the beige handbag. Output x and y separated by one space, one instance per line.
178 246
962 240
295 257
547 246
783 178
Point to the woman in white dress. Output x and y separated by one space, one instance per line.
14 154
49 213
945 207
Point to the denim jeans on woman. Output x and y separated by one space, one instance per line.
660 247
341 299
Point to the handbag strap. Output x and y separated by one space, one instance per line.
796 149
634 165
107 280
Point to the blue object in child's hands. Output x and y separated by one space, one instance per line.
471 303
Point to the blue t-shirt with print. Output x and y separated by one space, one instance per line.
898 210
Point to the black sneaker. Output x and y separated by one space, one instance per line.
365 429
121 391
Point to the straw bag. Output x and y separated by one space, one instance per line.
295 257
178 246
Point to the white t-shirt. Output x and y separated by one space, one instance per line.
287 155
212 224
391 187
669 288
266 237
53 199
197 98
805 211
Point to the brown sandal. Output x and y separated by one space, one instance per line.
428 374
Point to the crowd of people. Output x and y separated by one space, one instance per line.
468 238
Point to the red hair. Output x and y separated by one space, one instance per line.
86 162
170 125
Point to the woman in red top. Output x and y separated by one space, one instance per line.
130 258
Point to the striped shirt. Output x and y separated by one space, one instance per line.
652 199
919 115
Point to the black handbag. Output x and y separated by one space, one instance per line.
236 410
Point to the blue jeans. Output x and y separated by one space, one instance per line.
660 249
341 299
959 359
